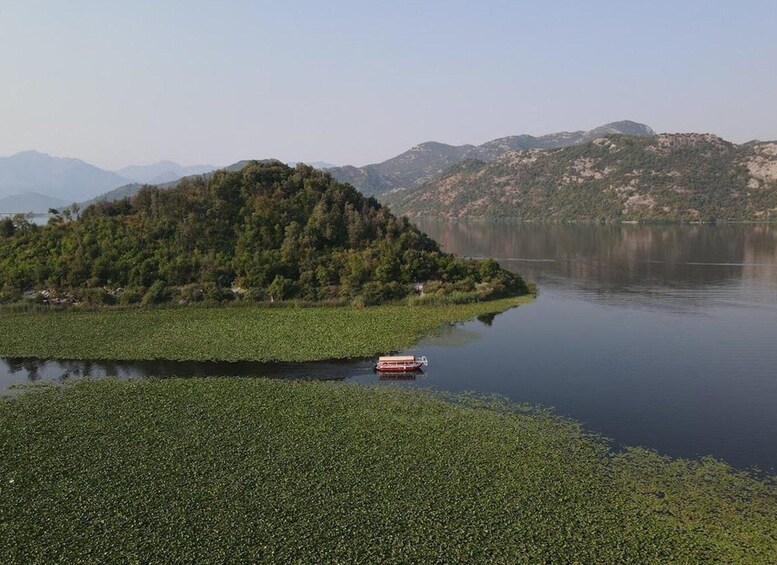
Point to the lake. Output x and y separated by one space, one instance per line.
661 336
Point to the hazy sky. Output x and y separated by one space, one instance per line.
118 83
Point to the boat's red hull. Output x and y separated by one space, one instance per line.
405 368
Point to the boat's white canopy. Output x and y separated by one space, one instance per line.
397 359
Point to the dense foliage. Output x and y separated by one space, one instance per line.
264 231
253 470
677 177
244 332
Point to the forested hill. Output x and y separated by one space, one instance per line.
264 231
670 177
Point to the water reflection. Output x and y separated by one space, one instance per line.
409 376
488 319
681 268
24 370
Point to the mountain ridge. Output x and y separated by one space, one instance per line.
162 171
64 178
46 178
29 202
668 177
34 181
423 161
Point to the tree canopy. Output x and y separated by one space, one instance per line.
265 231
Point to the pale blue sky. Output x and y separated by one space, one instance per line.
355 82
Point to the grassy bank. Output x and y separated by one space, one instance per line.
258 333
218 470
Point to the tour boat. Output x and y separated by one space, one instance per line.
400 364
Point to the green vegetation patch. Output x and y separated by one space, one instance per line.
264 232
258 333
254 470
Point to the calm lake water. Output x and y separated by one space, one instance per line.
662 336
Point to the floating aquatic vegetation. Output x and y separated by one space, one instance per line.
215 470
256 333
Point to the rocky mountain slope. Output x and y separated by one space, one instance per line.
424 161
669 177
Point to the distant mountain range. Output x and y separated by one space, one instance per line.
668 177
64 179
162 172
423 162
31 181
618 171
29 202
38 181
